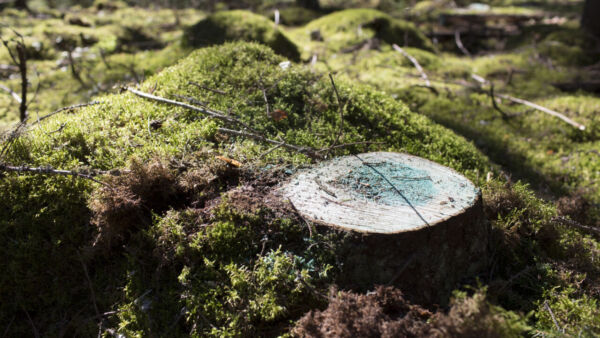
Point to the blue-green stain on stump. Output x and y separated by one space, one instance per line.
364 182
354 192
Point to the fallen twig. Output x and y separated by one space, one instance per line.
51 171
310 232
414 62
341 111
14 95
543 109
505 115
579 126
547 307
75 106
91 286
201 86
575 224
459 44
347 145
206 111
310 152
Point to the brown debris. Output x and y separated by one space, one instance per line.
381 313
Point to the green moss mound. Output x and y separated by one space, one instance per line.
348 27
297 16
240 25
169 268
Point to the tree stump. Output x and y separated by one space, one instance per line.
408 222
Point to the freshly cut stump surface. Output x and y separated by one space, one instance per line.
407 221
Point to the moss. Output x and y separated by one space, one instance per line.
118 130
346 28
240 25
296 16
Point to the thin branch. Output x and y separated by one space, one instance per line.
310 231
14 134
547 307
69 108
202 110
14 95
91 286
414 62
505 115
310 152
459 44
579 126
49 170
345 145
270 150
264 92
201 86
543 109
575 224
341 111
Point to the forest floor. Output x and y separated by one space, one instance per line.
187 239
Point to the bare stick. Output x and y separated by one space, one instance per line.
495 104
20 60
547 307
14 95
460 45
345 145
202 110
14 134
303 150
264 92
579 126
414 62
74 70
270 150
310 233
543 109
49 170
575 224
90 285
201 86
341 110
75 106
36 333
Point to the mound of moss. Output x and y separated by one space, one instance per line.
179 245
349 27
239 25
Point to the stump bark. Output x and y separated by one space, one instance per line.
407 221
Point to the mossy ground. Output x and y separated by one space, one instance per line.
120 45
183 243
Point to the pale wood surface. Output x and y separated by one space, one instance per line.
344 192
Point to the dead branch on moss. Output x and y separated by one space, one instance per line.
14 95
201 86
11 138
341 111
569 222
414 62
48 170
483 81
19 58
504 114
310 152
460 45
69 108
202 110
310 231
547 307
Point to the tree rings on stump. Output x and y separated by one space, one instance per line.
409 221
